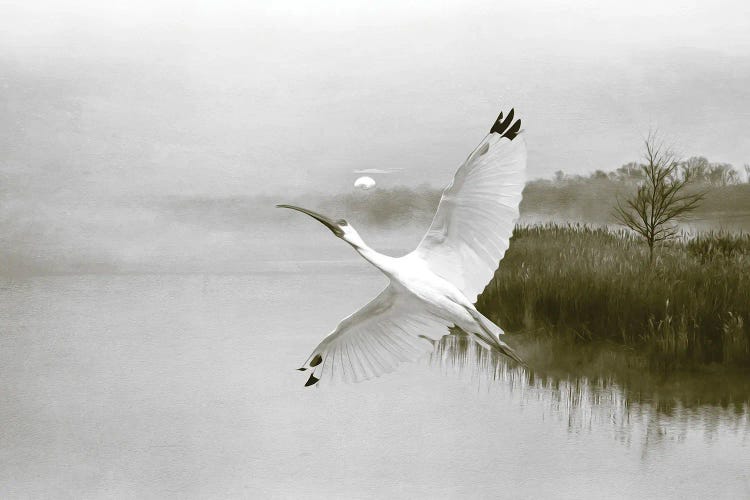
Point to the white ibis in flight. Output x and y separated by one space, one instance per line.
433 288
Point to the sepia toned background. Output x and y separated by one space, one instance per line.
154 304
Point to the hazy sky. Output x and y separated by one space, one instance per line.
242 97
102 102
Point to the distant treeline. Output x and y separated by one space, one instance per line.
573 198
591 198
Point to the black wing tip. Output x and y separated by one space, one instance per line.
315 362
507 127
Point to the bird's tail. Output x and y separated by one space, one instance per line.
490 335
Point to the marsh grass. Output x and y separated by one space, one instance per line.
715 245
690 308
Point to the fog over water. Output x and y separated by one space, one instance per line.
178 234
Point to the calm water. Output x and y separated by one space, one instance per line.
184 386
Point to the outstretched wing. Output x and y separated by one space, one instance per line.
474 221
390 329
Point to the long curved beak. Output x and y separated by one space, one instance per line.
330 224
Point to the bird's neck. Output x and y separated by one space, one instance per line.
377 259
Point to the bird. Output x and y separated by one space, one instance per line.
432 290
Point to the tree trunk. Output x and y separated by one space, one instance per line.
650 252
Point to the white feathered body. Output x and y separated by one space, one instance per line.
440 297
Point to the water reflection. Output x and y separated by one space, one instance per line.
579 390
183 386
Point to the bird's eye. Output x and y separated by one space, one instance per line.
342 222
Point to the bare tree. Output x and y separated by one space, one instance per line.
661 197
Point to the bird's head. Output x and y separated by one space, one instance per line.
339 227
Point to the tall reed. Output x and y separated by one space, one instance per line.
690 307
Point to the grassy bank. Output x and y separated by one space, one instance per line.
691 308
